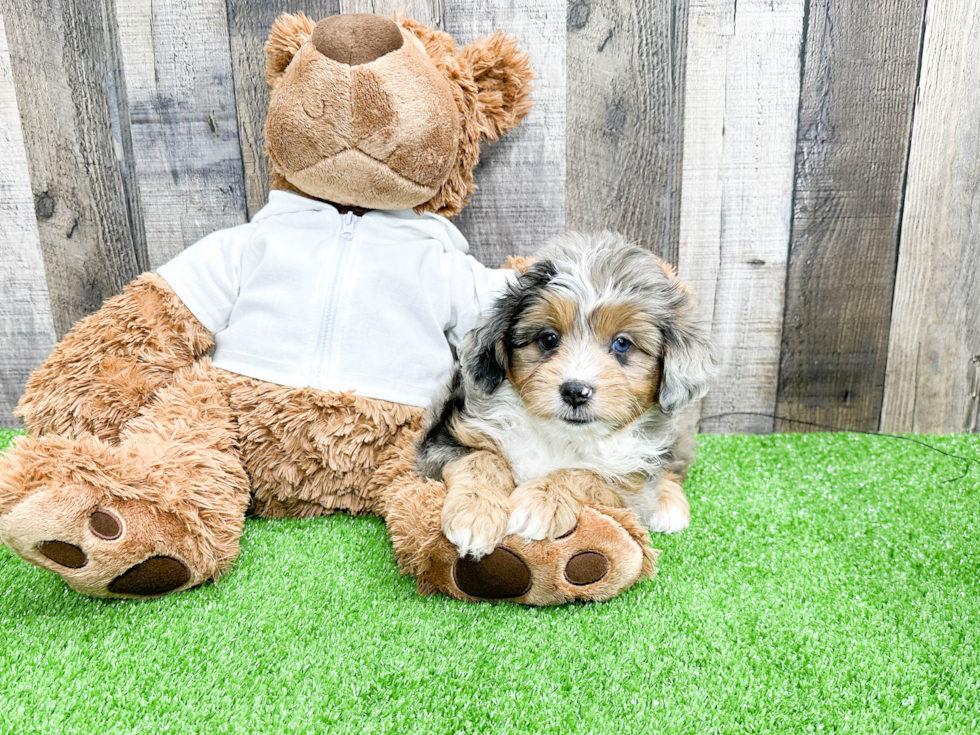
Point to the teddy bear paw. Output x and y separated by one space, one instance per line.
103 549
603 555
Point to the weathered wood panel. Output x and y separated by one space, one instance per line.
742 91
859 80
186 157
424 11
679 25
624 122
26 328
520 201
934 348
249 22
61 56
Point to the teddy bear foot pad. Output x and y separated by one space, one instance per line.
502 574
155 576
125 551
597 560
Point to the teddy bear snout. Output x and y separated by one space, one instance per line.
356 38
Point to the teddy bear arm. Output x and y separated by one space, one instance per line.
113 362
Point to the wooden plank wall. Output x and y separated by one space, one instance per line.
932 382
76 137
623 146
859 77
187 162
26 327
811 167
740 129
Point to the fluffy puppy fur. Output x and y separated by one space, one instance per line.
568 394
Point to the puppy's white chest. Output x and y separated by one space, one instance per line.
531 456
538 449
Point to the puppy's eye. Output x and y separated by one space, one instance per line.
621 345
549 340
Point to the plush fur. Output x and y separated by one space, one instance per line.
402 130
142 458
567 395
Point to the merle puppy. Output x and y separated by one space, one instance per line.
568 393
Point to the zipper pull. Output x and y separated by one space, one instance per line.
347 232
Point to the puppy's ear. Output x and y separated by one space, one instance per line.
288 33
687 367
488 357
487 363
502 74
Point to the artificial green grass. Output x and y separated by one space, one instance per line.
829 583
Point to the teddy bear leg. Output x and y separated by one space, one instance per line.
161 511
605 554
113 363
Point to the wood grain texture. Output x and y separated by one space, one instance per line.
26 328
424 11
520 202
932 381
859 81
187 161
624 120
249 22
60 54
679 24
742 91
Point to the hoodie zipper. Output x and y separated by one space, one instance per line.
321 367
347 231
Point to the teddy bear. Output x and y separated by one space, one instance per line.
282 367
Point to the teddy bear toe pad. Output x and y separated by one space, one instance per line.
586 567
155 576
67 555
499 575
105 525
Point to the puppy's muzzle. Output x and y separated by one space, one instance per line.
576 393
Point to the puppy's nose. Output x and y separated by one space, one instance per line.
575 393
356 38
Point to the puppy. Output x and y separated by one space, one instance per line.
568 393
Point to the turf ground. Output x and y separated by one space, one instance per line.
829 583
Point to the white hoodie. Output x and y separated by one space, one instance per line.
305 296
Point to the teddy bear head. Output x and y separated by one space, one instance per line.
380 113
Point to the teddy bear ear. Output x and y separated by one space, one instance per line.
288 33
438 44
502 74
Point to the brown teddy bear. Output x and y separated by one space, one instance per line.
281 367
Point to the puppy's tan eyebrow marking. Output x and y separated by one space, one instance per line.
552 311
608 320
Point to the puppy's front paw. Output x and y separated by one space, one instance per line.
542 511
673 512
475 526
